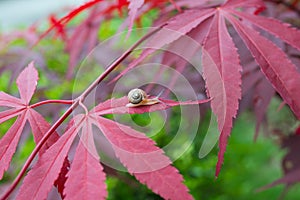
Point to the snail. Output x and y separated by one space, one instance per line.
138 97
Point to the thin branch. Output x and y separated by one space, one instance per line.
176 6
36 150
69 102
72 107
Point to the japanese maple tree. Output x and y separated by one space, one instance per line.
244 50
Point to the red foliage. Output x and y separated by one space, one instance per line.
219 30
290 162
86 179
150 166
26 82
144 160
220 59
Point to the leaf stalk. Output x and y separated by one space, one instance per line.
74 105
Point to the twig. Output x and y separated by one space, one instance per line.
72 107
51 101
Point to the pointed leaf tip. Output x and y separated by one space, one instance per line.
9 101
86 168
42 176
134 5
221 69
144 160
9 142
27 81
275 64
279 29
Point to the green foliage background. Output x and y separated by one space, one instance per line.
248 165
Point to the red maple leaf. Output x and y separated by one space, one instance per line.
213 28
27 81
221 64
136 152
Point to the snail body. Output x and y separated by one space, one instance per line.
138 97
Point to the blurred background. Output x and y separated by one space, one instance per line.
22 13
249 165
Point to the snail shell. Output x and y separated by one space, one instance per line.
138 97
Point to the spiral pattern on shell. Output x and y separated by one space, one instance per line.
135 96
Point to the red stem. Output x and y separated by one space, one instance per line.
73 106
176 6
51 101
